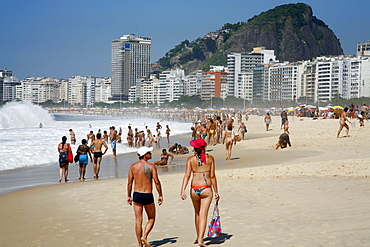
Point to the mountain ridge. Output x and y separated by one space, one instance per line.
290 30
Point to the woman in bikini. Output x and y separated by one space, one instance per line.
267 120
63 149
242 129
342 122
164 158
212 132
204 179
168 130
228 141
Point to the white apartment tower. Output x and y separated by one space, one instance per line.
172 85
130 61
239 63
338 76
363 49
284 80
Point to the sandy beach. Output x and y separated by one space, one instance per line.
315 193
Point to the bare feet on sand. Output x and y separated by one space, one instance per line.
146 243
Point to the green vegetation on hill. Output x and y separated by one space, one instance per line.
198 49
290 30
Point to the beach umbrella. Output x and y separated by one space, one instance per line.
337 109
310 107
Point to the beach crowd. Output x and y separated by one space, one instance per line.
208 129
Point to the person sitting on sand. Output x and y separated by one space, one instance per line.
173 149
182 150
283 141
164 158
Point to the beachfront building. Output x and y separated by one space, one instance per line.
211 84
173 84
308 79
103 89
365 77
147 92
77 90
193 83
258 84
245 86
8 85
90 90
130 60
238 63
38 89
363 49
284 79
338 76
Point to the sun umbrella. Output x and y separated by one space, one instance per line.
337 109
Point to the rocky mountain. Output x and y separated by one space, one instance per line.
290 30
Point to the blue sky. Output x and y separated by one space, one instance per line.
64 38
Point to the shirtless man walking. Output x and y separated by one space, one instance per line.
142 174
96 147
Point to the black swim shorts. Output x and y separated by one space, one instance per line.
143 198
98 154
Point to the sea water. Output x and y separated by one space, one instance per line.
23 143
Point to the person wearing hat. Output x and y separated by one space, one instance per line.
202 167
142 174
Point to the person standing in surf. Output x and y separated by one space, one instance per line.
96 147
83 150
63 149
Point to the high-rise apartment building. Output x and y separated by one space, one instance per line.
130 61
211 84
239 63
194 83
338 77
363 49
284 81
8 85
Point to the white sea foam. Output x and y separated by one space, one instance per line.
24 144
23 114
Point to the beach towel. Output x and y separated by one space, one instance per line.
214 228
69 155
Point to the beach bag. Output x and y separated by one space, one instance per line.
214 228
77 157
69 155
